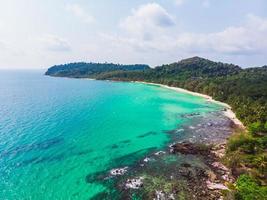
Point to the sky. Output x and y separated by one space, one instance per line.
36 34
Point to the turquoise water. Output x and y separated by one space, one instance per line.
54 132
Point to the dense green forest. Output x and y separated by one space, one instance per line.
245 90
84 70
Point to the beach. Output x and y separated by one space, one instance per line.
228 112
195 158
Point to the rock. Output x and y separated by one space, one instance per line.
147 159
226 178
118 171
190 115
160 195
185 172
219 166
186 165
160 153
216 186
190 148
171 146
134 183
171 197
219 150
209 124
211 175
219 153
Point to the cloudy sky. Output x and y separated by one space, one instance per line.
40 33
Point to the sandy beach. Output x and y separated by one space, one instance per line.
228 112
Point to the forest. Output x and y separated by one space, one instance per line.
92 70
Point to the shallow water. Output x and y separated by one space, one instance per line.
57 132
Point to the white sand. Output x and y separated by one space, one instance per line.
231 115
228 113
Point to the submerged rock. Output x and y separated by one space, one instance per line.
209 124
190 148
134 183
186 165
147 159
189 115
118 171
190 168
160 195
160 153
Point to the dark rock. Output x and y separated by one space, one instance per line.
185 165
191 148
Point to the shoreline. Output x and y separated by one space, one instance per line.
196 165
210 182
218 174
228 112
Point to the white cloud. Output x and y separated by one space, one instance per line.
179 2
54 43
9 49
2 45
246 39
250 38
206 3
147 19
79 12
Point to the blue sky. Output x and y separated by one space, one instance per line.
40 33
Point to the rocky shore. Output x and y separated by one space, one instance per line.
190 168
186 171
216 178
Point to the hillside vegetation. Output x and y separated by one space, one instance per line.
92 70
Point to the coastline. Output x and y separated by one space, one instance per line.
214 180
201 182
228 112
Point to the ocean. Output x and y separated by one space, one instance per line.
56 132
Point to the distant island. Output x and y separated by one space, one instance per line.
90 70
244 89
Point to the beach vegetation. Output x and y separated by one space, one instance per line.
247 188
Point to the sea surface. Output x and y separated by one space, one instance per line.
55 132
